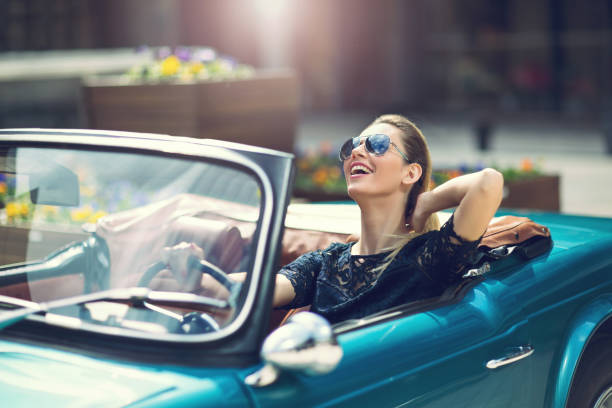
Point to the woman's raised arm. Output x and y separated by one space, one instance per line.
476 196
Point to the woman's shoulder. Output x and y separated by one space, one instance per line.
338 247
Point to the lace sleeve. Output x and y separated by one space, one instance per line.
446 254
302 274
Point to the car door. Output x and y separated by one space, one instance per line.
467 354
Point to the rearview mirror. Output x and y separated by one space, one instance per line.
55 186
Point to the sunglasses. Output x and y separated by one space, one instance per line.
377 144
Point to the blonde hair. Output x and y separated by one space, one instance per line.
416 149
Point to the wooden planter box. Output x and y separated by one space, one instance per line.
260 111
538 193
23 243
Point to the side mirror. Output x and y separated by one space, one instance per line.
305 344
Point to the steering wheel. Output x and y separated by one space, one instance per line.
197 322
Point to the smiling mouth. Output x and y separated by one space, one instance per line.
359 169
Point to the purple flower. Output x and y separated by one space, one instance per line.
183 53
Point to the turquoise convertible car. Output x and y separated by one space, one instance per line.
84 216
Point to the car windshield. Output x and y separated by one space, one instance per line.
79 222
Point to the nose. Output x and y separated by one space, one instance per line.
360 150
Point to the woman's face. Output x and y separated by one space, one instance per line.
370 175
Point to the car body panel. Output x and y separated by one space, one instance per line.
33 375
420 360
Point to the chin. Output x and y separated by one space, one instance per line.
356 192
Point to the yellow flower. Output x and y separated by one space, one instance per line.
170 65
12 209
24 209
196 67
96 216
3 187
81 214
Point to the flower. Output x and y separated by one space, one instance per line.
183 53
24 209
196 67
93 218
186 64
526 165
456 173
170 65
81 214
525 170
12 209
16 209
319 170
320 176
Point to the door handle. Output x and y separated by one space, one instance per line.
516 354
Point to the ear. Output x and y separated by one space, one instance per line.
412 173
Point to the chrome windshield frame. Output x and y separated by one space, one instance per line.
173 146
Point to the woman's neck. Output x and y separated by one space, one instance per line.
382 222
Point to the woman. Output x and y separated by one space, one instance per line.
402 255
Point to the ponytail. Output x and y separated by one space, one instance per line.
417 150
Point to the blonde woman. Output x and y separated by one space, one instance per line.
402 254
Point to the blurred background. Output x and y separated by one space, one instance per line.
524 86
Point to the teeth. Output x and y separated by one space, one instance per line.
359 168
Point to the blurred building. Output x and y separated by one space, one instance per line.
504 59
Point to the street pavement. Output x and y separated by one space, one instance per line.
576 153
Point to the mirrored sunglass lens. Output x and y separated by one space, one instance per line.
346 149
378 144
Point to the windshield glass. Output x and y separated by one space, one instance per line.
76 222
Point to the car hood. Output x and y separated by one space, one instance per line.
34 376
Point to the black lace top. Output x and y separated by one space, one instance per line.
341 286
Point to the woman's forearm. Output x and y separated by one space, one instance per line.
487 184
476 196
283 290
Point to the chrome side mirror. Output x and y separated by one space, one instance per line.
305 344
